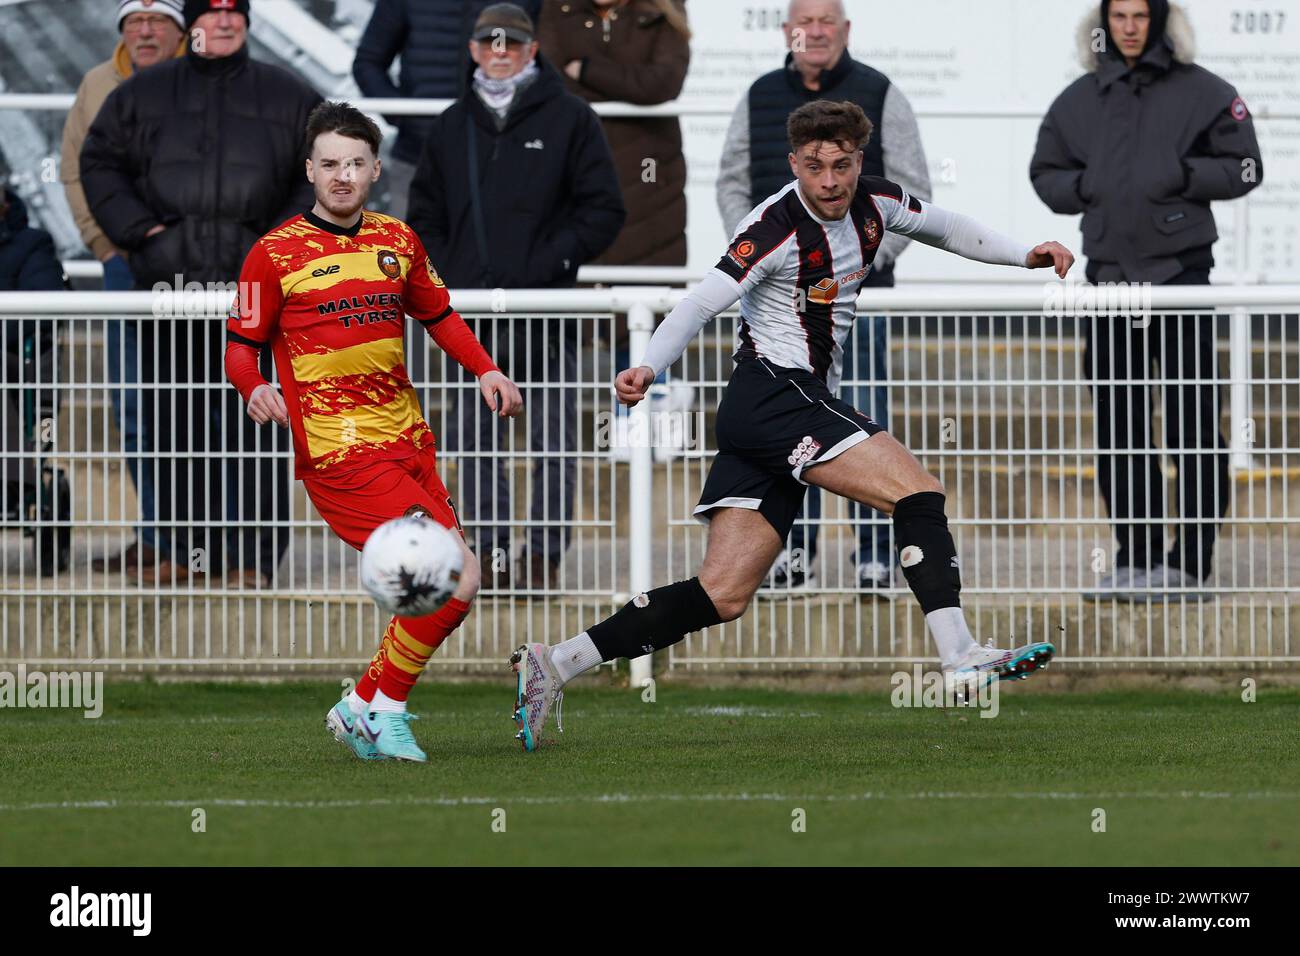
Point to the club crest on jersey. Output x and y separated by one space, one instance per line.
740 253
871 229
824 292
389 264
433 273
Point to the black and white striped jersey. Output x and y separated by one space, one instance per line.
799 275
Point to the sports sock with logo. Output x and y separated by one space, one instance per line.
929 560
407 645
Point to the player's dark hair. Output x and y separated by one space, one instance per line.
826 121
344 119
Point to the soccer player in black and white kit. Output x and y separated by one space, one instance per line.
795 264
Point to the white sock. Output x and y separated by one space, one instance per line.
383 704
358 703
574 656
949 630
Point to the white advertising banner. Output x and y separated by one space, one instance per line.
958 59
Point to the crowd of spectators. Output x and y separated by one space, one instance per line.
181 150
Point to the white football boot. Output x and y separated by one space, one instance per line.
537 687
989 663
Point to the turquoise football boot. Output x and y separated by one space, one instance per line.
390 734
342 723
989 663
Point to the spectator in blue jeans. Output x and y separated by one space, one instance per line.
152 32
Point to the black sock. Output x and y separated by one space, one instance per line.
654 620
926 550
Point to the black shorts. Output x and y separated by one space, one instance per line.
772 424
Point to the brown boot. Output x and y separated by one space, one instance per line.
166 572
128 560
246 579
538 573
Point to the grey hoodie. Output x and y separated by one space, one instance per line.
1141 152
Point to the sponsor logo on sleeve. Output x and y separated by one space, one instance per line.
433 273
1238 109
741 252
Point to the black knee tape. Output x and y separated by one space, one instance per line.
654 620
926 551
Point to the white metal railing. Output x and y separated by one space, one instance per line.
414 106
998 366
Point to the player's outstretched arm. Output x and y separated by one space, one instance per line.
456 338
969 238
715 293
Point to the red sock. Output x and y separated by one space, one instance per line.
369 681
408 644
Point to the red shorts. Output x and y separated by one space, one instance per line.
357 502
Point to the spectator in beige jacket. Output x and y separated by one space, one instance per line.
152 31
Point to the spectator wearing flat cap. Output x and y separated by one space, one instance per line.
516 188
429 37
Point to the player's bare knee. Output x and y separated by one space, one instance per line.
922 482
470 578
729 598
467 588
732 608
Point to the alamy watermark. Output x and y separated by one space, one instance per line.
76 908
919 688
181 299
1109 299
76 690
652 429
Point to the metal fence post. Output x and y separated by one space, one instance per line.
1239 388
640 325
1239 346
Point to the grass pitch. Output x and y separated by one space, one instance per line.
699 776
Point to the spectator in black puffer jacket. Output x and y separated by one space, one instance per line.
186 165
430 36
28 263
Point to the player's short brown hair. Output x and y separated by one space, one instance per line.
842 123
344 119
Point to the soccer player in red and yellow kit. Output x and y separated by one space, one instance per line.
329 291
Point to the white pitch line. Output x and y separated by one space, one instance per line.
637 798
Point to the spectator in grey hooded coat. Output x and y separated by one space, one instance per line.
1141 144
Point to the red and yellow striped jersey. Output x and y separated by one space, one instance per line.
331 303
